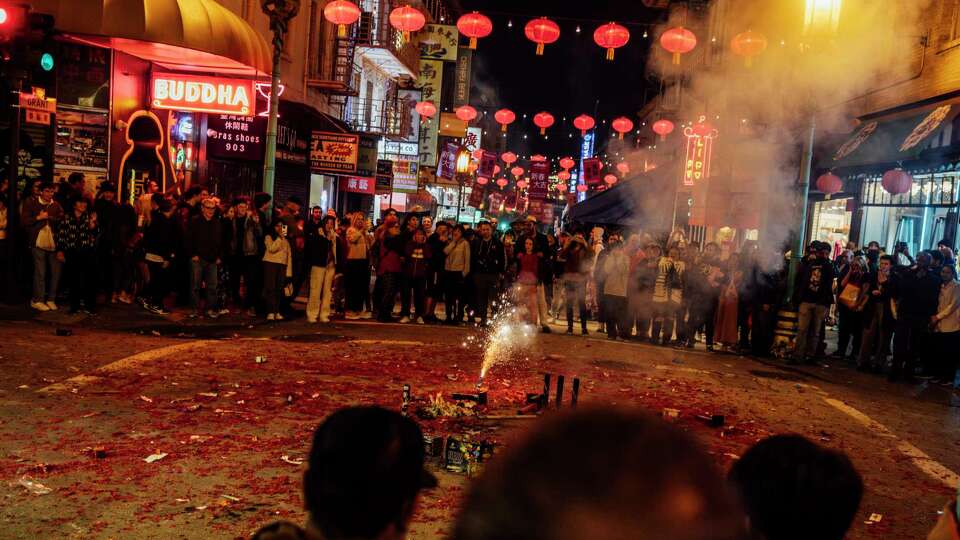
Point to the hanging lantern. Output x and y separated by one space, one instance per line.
584 123
543 120
567 163
508 157
582 187
478 153
504 117
563 175
829 184
341 13
542 31
407 19
623 167
481 181
622 125
611 37
538 157
466 113
496 170
896 181
517 171
474 25
748 44
610 179
663 128
678 41
560 186
426 109
521 184
502 182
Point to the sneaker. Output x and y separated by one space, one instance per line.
39 306
157 310
124 298
352 316
213 314
51 305
404 320
271 317
545 330
143 302
311 321
224 311
324 319
570 331
584 332
278 316
194 315
251 312
420 320
366 315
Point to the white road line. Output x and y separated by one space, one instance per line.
124 363
920 459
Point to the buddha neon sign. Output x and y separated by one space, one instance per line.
216 95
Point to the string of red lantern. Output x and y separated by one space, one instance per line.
678 41
466 113
748 44
474 25
622 125
543 120
542 31
584 123
504 117
407 19
611 36
426 109
341 13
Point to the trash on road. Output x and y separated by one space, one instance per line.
33 486
145 398
670 415
874 518
155 457
64 332
260 359
294 461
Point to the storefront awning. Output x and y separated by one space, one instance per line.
884 142
150 28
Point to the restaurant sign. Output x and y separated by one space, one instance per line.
218 95
334 153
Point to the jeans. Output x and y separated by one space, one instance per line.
418 285
453 289
158 288
875 340
203 274
251 268
123 270
274 277
808 332
357 277
45 263
321 287
485 286
851 330
576 294
910 341
617 316
389 283
82 278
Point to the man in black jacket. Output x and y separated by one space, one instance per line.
917 293
487 264
814 292
159 245
204 243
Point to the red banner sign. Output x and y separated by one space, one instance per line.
591 170
494 202
358 184
487 163
539 180
216 95
476 196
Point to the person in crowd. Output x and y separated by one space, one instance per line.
814 292
946 327
277 269
234 237
70 189
645 278
528 278
601 474
598 258
767 290
549 271
558 305
852 297
291 216
794 489
529 227
365 473
945 248
749 266
901 255
426 223
916 291
435 284
5 259
416 262
877 318
456 267
677 311
873 256
40 215
204 247
123 237
616 266
510 256
409 226
321 256
159 245
76 239
574 258
389 269
663 309
357 267
727 331
487 265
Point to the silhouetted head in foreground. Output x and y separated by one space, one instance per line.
794 489
601 474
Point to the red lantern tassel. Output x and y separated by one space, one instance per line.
473 43
539 49
676 59
543 131
621 136
406 37
749 61
342 30
503 128
610 54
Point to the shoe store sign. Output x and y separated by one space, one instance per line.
217 95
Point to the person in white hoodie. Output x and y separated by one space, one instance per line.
277 269
946 325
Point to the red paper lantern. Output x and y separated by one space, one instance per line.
481 181
543 120
623 167
563 175
560 186
538 157
477 154
567 163
341 13
896 181
611 36
517 171
678 41
504 117
521 184
508 157
496 169
584 123
582 187
703 128
542 31
748 44
502 182
829 183
610 179
474 25
426 109
466 113
622 125
407 19
663 128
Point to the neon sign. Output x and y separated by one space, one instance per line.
216 95
696 165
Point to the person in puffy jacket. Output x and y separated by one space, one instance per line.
277 269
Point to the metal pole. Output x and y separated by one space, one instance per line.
806 166
270 156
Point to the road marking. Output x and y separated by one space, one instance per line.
385 342
920 459
124 363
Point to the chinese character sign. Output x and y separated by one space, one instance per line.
439 42
539 180
591 170
354 184
487 163
430 81
447 165
699 151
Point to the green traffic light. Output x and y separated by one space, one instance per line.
46 61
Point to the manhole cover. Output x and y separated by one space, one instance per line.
311 338
614 364
777 375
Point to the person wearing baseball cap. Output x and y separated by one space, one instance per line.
364 475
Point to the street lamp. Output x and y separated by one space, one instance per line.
462 169
280 13
821 17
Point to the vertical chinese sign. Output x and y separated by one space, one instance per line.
699 151
539 180
438 43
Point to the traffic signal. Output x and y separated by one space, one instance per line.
12 20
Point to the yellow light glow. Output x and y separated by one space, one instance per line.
463 161
822 16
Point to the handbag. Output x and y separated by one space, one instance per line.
45 239
850 296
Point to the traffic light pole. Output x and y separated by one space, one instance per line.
13 205
280 13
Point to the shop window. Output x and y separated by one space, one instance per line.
936 190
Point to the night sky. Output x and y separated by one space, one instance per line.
571 78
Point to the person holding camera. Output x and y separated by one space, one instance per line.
277 269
